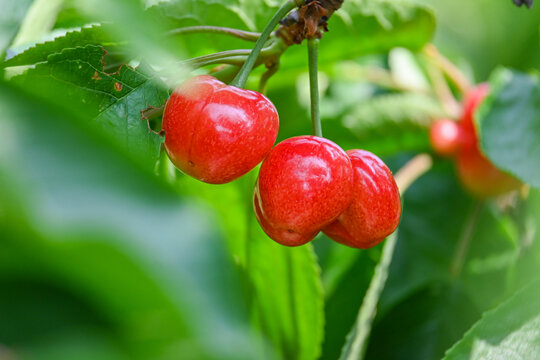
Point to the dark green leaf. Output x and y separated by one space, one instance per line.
509 122
510 331
76 77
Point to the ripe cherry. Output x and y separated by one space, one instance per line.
375 210
480 177
303 185
215 132
445 137
471 102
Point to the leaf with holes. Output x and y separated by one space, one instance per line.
115 100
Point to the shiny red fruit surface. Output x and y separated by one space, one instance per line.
283 236
375 210
471 102
215 132
303 185
480 177
445 137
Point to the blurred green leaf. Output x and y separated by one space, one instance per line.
374 26
12 13
509 122
245 15
510 331
81 215
39 20
284 285
116 100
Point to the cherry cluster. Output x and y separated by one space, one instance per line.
307 184
459 140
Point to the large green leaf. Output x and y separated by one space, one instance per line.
77 77
509 332
283 283
371 26
81 216
509 122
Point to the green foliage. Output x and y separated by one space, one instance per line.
12 13
510 125
284 284
510 331
114 100
83 217
107 252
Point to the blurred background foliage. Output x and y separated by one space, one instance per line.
106 252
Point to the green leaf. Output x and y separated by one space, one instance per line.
76 77
509 122
293 320
83 217
12 13
510 331
368 27
284 288
244 15
375 26
93 35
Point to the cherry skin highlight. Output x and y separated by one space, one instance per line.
303 185
445 137
215 132
375 210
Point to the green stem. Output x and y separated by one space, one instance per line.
271 70
313 52
241 34
465 240
241 79
217 56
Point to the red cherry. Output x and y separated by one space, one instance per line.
215 132
282 236
303 185
480 177
477 174
445 137
471 102
375 210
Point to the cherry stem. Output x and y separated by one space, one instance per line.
241 34
465 240
313 58
271 70
452 71
241 79
357 340
449 103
